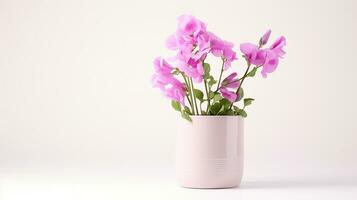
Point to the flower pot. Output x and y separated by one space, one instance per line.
209 152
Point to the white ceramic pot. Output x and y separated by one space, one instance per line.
209 152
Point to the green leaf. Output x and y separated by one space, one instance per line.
241 93
215 108
207 69
198 94
186 116
248 101
252 72
229 112
176 105
211 81
187 110
236 109
226 104
211 95
242 113
221 111
217 97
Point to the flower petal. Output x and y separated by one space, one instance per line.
229 95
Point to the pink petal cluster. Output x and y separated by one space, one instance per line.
193 42
223 49
167 83
230 82
268 58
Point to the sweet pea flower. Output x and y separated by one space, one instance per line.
253 54
189 25
167 83
180 42
161 66
271 63
273 54
188 30
176 91
190 66
264 39
170 87
193 43
267 58
229 95
278 45
223 49
231 81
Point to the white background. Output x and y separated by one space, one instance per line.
75 94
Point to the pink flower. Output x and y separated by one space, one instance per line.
181 42
264 39
223 49
272 56
166 82
162 67
253 54
271 63
267 58
188 33
189 25
231 96
190 66
193 43
278 45
231 81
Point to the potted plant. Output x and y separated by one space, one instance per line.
209 150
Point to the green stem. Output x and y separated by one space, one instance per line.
208 99
189 101
189 92
220 76
241 83
257 66
194 98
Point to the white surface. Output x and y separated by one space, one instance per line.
158 185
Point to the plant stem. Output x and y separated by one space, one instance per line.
220 76
194 98
189 101
189 91
241 83
208 99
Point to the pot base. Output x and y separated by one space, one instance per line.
209 188
210 173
